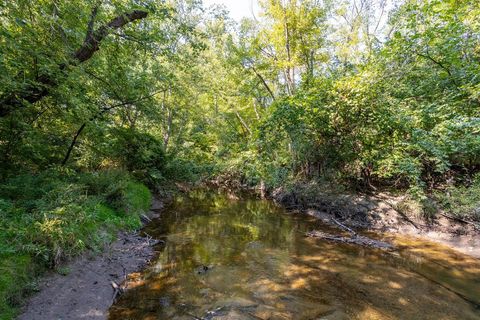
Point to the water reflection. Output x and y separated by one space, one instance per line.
247 259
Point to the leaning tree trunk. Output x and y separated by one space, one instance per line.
11 101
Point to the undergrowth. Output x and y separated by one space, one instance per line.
462 201
49 217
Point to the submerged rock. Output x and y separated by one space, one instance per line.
203 269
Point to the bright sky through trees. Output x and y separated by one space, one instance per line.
238 8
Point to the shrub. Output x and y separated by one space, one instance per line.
462 201
140 153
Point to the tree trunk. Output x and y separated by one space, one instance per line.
168 129
45 83
72 145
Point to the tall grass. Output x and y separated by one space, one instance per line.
48 218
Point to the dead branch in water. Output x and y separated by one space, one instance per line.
344 227
355 239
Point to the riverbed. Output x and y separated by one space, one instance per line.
223 258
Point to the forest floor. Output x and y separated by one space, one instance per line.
385 213
87 288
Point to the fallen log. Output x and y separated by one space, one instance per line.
344 227
354 239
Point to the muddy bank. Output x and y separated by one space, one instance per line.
87 289
382 213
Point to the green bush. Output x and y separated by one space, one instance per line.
119 190
462 201
140 153
180 169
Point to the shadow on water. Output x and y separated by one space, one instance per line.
248 259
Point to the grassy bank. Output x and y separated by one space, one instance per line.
50 217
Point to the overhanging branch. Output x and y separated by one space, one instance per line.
43 85
92 41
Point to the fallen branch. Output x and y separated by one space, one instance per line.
344 227
116 290
145 219
356 239
475 225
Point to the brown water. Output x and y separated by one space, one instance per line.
261 266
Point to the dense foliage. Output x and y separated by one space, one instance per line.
97 95
402 112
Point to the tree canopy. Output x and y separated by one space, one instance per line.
362 92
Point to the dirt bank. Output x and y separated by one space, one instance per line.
383 213
87 290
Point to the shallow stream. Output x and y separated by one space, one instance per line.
249 259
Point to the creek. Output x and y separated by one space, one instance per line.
220 258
